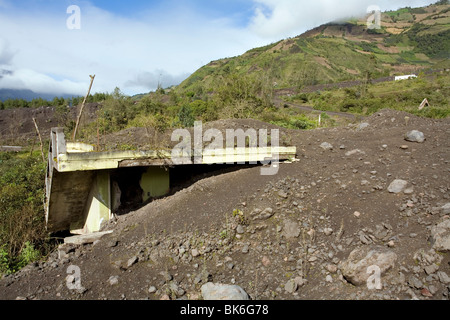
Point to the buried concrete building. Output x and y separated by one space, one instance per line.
84 188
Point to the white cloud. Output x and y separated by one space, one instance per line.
155 78
6 53
38 82
276 19
45 56
119 51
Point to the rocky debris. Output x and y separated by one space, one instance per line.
166 275
440 235
291 286
326 146
355 268
174 290
399 185
265 261
427 260
291 229
262 215
131 261
415 136
240 229
300 224
64 250
195 252
443 277
217 291
362 126
353 152
282 194
113 280
445 209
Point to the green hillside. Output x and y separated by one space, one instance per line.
410 39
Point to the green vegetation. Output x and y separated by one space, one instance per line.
403 95
22 231
236 97
434 42
56 102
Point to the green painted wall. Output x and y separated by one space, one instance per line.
155 182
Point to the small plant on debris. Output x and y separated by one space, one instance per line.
240 217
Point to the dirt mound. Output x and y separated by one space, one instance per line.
17 126
388 118
312 231
150 138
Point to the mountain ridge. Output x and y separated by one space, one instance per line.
409 40
28 95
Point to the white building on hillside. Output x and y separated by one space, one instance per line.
409 76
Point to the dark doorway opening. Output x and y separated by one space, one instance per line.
127 193
126 189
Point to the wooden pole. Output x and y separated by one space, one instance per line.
40 139
82 107
98 137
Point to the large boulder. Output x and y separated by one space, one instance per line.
362 126
398 185
415 136
356 269
440 234
326 146
445 209
291 229
217 291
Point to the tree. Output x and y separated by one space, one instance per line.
56 102
38 102
116 111
186 116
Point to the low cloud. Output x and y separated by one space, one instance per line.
41 83
6 52
5 72
150 80
276 19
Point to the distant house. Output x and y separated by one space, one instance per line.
409 76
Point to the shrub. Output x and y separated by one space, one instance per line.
27 255
186 117
22 227
4 261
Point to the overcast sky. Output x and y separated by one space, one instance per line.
134 45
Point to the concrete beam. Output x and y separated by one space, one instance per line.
85 161
86 238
